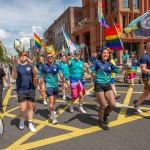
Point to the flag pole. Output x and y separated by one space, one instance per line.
101 36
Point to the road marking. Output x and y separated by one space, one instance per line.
78 133
126 102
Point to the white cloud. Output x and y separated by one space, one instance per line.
3 34
37 29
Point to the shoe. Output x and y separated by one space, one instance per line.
64 97
88 93
106 119
21 124
140 82
71 109
45 103
103 125
32 128
117 96
54 121
137 108
82 110
97 104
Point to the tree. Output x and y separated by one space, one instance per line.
1 54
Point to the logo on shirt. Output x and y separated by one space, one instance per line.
28 68
54 69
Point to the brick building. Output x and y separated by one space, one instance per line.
119 11
68 21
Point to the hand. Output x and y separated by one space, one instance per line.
15 61
30 61
9 86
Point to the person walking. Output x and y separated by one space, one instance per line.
23 73
3 77
102 70
50 71
145 69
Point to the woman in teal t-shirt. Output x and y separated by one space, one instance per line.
65 71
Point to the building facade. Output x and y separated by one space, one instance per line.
120 11
68 21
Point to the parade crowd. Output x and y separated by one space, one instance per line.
46 73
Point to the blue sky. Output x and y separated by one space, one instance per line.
21 18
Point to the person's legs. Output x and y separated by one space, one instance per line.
63 90
43 92
1 99
31 106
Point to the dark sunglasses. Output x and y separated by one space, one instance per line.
49 57
20 55
77 54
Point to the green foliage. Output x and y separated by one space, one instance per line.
1 54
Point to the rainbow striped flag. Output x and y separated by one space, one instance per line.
37 41
113 40
101 18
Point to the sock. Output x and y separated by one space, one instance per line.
53 114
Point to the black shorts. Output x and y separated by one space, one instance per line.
102 87
26 97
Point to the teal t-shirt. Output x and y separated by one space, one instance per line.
125 57
50 74
76 68
65 70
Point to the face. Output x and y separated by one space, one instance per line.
50 58
105 55
41 60
132 56
126 51
23 57
64 58
77 56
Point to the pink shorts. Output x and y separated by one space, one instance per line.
131 75
75 91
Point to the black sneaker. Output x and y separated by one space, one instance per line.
106 119
140 82
103 125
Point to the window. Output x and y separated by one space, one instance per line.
124 22
113 5
106 6
136 4
125 3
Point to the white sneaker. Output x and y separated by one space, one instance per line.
64 97
32 128
82 110
88 93
137 108
54 120
45 103
21 124
71 109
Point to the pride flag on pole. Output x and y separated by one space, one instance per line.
113 40
71 46
37 41
101 18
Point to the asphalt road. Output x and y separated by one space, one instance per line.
128 130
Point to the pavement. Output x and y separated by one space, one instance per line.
128 129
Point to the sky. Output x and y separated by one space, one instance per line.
21 18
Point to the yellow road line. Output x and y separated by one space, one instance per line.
15 108
126 102
78 133
39 127
6 99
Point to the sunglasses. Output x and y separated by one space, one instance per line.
77 54
20 55
49 57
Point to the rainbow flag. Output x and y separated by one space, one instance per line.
37 42
113 40
101 18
